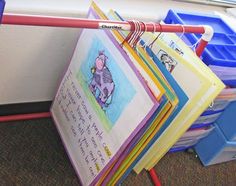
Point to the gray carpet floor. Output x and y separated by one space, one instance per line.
31 153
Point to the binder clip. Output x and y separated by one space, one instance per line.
2 5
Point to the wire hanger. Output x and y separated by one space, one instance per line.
145 44
151 44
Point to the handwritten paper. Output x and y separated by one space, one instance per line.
101 104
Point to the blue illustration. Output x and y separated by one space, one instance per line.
105 84
102 85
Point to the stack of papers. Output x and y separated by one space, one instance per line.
120 108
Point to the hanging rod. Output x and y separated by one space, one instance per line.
52 21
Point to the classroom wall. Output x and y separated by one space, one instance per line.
33 58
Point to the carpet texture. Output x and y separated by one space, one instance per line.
31 153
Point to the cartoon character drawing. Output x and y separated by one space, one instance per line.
102 85
166 60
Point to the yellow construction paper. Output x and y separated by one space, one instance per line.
211 87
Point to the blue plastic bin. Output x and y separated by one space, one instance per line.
190 139
199 19
221 29
200 125
219 104
208 117
2 5
221 50
215 148
227 122
220 54
178 149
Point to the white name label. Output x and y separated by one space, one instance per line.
114 26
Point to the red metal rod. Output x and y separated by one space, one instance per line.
33 20
200 48
18 19
154 177
25 116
